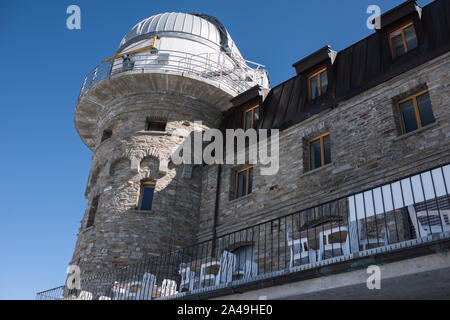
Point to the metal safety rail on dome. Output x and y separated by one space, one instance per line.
232 77
401 219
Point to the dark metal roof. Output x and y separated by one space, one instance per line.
361 66
399 12
246 96
233 117
312 60
356 69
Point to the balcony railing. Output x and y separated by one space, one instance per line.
233 75
399 214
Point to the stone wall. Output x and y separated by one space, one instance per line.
367 149
122 234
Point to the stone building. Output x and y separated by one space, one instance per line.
363 179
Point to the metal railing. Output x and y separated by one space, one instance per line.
394 215
52 294
233 75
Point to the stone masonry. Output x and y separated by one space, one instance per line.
367 149
121 234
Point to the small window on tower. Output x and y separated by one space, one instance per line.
319 151
146 200
152 125
317 83
92 212
106 135
402 39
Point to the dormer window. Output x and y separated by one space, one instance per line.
402 39
251 117
317 83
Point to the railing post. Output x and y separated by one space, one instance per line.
94 76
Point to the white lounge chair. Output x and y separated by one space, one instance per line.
146 288
168 288
357 243
431 222
333 247
117 291
135 290
227 266
187 279
300 250
84 295
207 277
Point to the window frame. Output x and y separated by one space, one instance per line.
316 73
322 150
401 28
144 183
416 110
236 185
246 110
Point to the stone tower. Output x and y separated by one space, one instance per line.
170 70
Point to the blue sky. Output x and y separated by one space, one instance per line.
44 164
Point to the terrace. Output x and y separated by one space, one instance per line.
408 217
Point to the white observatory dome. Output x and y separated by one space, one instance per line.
196 26
193 43
188 45
189 55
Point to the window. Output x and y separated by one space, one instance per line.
244 182
92 212
155 125
415 112
319 151
402 39
147 190
251 117
317 83
106 134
